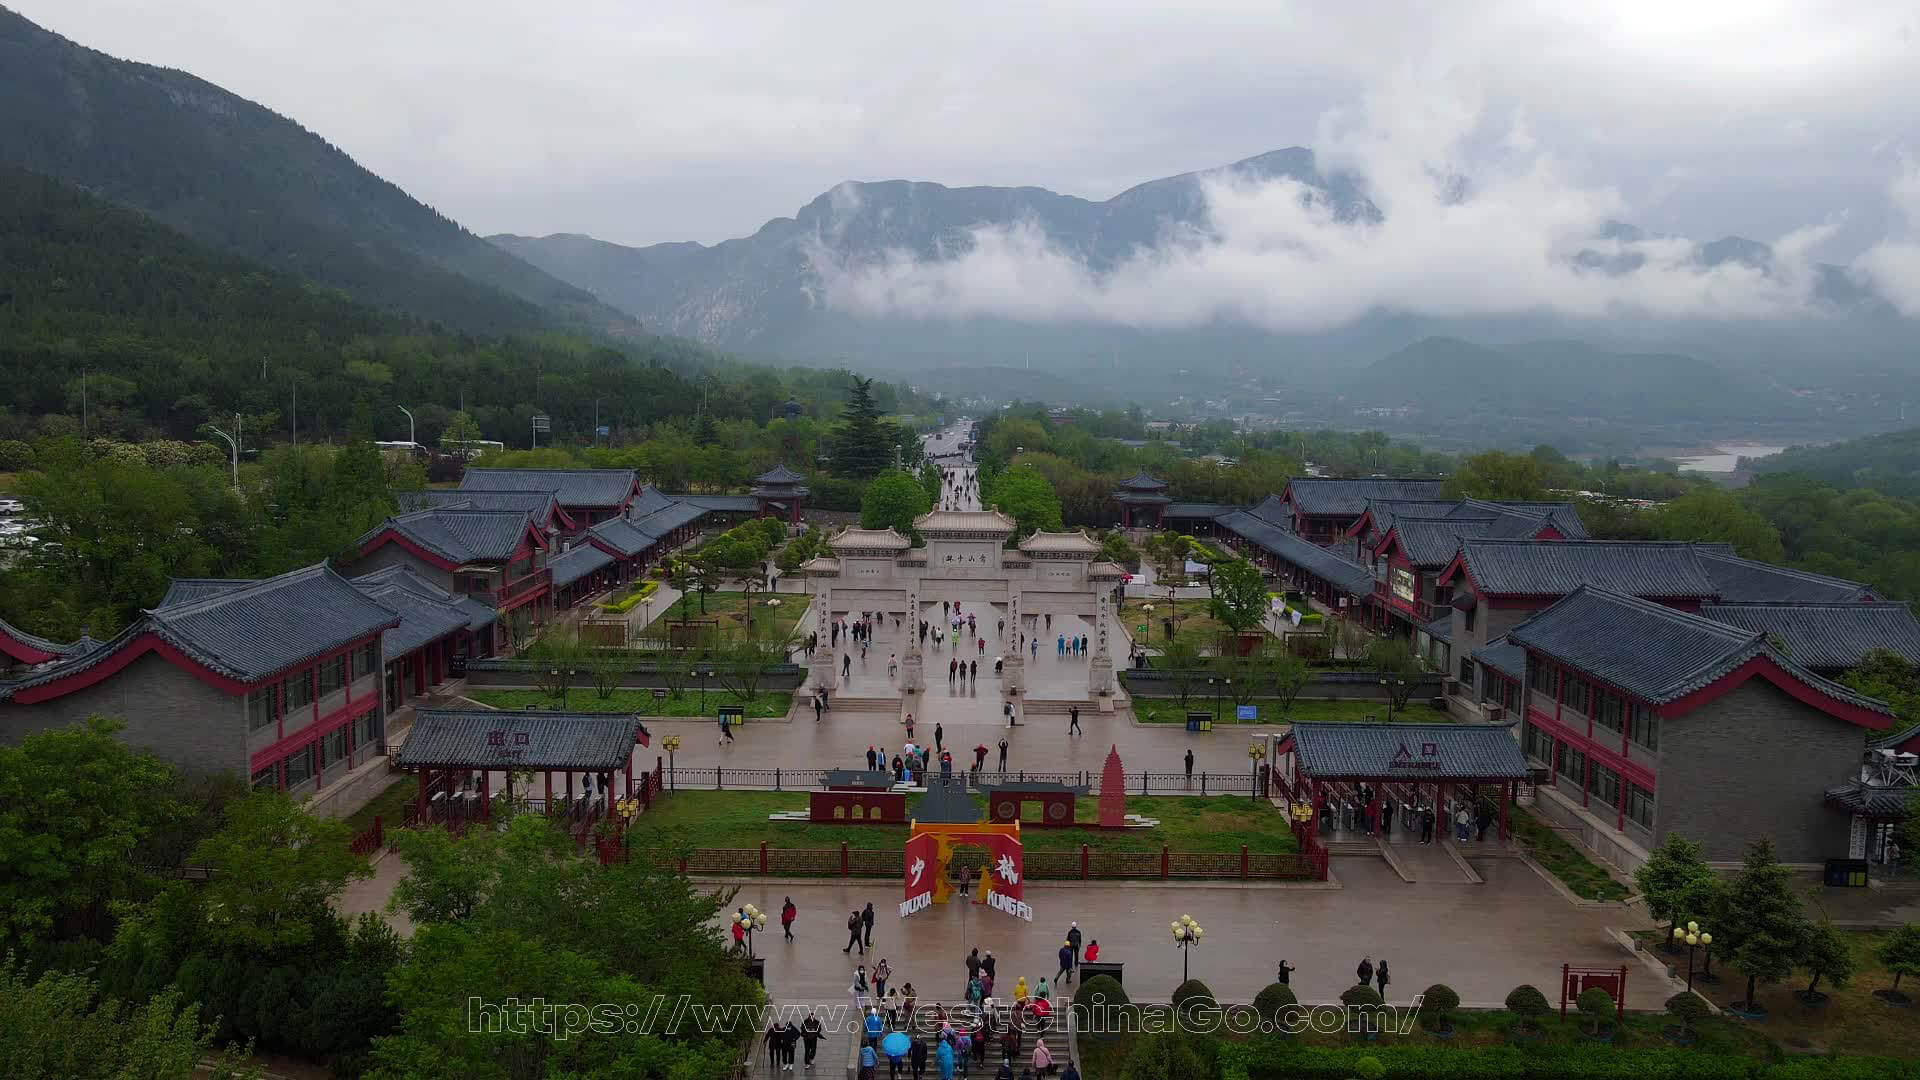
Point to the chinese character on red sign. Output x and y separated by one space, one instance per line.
521 738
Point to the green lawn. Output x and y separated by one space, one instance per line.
768 704
738 819
1195 615
389 805
1159 710
1563 860
730 608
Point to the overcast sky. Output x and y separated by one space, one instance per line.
669 120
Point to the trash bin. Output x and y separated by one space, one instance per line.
1846 873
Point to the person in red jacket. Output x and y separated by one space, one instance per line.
1093 952
788 913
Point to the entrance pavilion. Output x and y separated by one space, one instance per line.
450 747
1412 764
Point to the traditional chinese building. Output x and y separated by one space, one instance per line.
499 557
781 493
1143 500
588 496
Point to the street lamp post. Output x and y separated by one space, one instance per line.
1390 692
705 673
750 918
670 744
1693 936
1258 752
233 442
1186 935
410 427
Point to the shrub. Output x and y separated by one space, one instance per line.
1268 1003
1369 1068
1435 1006
1191 995
1173 1055
14 455
1596 1005
1689 1008
1528 1003
1103 1004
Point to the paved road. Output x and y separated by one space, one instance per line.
1482 940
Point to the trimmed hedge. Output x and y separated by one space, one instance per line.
1278 1059
631 600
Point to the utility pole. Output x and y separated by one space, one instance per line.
83 402
296 415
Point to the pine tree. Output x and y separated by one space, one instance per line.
861 446
1763 915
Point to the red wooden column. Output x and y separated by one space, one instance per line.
420 808
486 794
1506 800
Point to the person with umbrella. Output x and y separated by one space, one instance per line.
895 1046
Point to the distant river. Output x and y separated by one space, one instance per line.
1725 456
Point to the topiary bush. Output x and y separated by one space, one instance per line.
1689 1008
1104 1004
1270 1002
1369 1068
1596 1005
1528 1003
1191 995
1436 1007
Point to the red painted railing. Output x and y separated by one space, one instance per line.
370 840
1416 608
517 589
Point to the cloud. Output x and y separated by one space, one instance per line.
1893 265
1272 253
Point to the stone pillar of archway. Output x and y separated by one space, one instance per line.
913 675
1014 670
1100 668
825 669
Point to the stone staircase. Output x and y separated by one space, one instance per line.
1055 707
857 704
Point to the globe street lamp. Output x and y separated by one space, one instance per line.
670 744
749 919
1186 935
1692 936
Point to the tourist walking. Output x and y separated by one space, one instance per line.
952 667
973 670
1285 975
788 913
846 665
1003 755
853 934
859 989
1189 764
979 757
1380 974
1066 963
882 971
726 730
811 1031
939 736
1073 719
866 920
1074 937
817 706
1365 971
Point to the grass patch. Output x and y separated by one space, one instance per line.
1853 1021
1168 711
1193 614
1564 861
738 819
767 705
730 609
388 806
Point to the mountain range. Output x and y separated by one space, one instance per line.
245 180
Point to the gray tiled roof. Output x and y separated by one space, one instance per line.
570 566
780 476
1738 579
650 500
1144 481
425 617
461 535
670 518
1342 573
1504 657
1423 752
35 641
1650 568
541 504
724 503
1386 511
1273 510
1879 802
1347 497
187 590
400 577
1654 652
1562 515
1199 510
1441 628
584 741
623 536
598 488
1828 635
1432 542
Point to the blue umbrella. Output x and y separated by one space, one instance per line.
896 1044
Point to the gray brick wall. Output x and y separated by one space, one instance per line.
167 710
394 555
1755 763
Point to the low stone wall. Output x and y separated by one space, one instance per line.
1325 685
522 675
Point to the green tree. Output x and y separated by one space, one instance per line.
1900 953
1282 674
930 480
705 431
59 1025
1597 1006
448 873
863 444
1399 667
460 433
1528 1004
1240 596
1437 1005
1272 1003
1497 474
1717 515
892 501
1676 882
1172 1055
1689 1008
1762 915
1826 955
15 455
1185 661
1025 495
74 805
277 869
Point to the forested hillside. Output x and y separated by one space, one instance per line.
167 335
243 179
